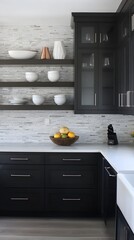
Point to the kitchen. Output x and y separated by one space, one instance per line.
36 126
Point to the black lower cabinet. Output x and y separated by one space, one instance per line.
123 231
72 183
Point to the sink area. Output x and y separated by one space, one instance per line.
125 196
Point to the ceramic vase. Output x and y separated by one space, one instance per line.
59 51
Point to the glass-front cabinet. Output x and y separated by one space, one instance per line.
87 74
95 63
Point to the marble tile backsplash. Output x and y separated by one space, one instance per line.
37 126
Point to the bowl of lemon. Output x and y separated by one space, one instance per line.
64 137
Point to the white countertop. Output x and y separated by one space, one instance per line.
121 157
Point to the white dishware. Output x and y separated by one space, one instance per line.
22 54
31 76
18 100
38 99
60 99
53 76
59 51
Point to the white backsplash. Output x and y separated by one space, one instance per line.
37 126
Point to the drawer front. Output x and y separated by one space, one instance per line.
22 200
22 158
21 176
59 176
72 158
72 200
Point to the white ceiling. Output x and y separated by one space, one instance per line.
51 11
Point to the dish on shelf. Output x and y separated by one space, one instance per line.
60 99
64 141
53 76
31 76
18 100
38 99
22 54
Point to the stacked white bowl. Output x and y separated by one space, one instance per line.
60 99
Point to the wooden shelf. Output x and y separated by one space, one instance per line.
36 84
36 62
35 107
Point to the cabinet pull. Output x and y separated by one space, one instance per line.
95 37
71 175
95 99
109 174
19 159
20 175
119 99
122 102
71 159
19 199
100 37
71 199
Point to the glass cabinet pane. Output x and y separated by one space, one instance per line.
107 79
88 34
87 80
107 34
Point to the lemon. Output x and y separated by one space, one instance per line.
132 134
57 135
71 135
64 130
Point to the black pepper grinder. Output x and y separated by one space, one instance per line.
112 137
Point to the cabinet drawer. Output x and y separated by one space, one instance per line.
72 158
72 200
22 200
22 158
21 176
65 176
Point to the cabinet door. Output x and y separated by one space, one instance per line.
131 97
123 74
123 231
87 34
107 79
107 34
86 80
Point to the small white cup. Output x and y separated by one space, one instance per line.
31 76
60 99
53 76
38 99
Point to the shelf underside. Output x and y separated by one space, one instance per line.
35 107
36 84
36 62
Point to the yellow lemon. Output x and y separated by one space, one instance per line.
57 135
71 135
64 130
132 134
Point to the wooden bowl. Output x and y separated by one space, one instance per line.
64 141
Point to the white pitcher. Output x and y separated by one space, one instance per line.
59 51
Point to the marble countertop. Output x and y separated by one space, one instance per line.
121 156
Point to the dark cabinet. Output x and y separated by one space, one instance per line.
22 182
72 183
123 231
95 78
109 180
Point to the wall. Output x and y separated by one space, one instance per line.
36 126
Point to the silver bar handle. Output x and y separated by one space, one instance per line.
71 159
19 199
20 175
19 159
95 37
122 102
71 175
100 37
119 99
71 199
95 99
109 174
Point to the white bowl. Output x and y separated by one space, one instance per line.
53 76
18 100
60 99
31 76
22 54
38 99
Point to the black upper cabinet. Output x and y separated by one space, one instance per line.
95 41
